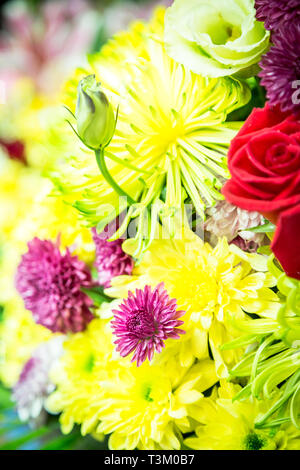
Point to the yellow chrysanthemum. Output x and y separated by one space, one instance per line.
145 408
171 131
230 425
214 287
78 377
148 407
19 335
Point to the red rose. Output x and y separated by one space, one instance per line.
286 242
264 162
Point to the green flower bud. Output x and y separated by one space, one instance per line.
94 114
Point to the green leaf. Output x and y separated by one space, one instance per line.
16 443
265 228
97 295
5 401
62 443
264 250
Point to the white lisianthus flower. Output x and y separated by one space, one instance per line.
215 38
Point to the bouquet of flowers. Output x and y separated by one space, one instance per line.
150 280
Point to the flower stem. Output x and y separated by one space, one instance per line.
105 173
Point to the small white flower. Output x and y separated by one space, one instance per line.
34 384
226 220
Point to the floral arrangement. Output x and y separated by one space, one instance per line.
150 268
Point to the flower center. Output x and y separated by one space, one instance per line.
168 136
146 392
89 364
195 288
141 324
253 442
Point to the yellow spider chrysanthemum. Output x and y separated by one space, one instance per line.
214 287
145 408
19 335
230 425
171 131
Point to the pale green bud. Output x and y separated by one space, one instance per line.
94 114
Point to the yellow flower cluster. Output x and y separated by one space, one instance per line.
213 285
225 424
169 147
144 408
171 132
27 210
151 406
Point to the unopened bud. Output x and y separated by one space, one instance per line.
94 114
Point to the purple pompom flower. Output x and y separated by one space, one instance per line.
144 321
281 69
276 12
111 260
50 284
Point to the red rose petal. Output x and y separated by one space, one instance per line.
286 243
264 162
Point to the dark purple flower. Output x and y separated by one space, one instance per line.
111 260
246 245
281 69
276 12
144 321
50 284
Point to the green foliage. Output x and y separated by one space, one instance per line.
97 295
272 358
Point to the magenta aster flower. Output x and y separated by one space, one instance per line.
50 284
34 384
276 12
144 321
111 260
281 68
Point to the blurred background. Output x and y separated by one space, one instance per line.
41 42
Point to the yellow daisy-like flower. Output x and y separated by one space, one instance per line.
19 336
145 408
230 425
171 131
213 285
148 407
